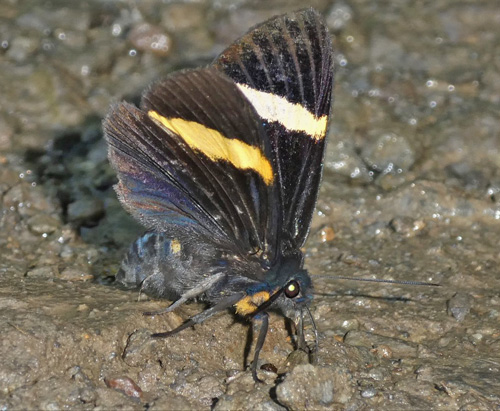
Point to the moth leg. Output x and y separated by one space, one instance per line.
263 319
316 338
299 325
192 293
199 318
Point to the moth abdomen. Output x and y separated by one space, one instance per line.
156 263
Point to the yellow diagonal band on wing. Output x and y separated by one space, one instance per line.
294 117
217 147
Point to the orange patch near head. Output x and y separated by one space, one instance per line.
247 305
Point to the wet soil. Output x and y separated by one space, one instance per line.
411 191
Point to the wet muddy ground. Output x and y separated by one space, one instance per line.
411 191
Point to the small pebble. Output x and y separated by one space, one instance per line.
406 226
125 385
476 338
384 351
369 393
76 274
314 387
389 152
326 234
85 211
83 307
459 306
43 272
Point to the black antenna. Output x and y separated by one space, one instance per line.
377 280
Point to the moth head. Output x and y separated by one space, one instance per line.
290 285
295 293
287 290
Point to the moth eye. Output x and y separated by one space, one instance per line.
292 289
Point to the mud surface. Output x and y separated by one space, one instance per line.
411 191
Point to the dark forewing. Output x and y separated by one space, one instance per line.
284 66
194 157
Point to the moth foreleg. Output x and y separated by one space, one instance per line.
199 318
199 289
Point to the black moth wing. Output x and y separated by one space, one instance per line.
284 66
193 160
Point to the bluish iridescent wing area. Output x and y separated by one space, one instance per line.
147 186
284 66
194 157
